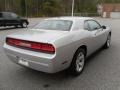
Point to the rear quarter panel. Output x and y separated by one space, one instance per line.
68 45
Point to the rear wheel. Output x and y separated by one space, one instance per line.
78 62
24 24
108 42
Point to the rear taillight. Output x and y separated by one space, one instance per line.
48 48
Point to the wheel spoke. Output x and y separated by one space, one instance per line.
80 62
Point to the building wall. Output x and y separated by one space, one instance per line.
108 8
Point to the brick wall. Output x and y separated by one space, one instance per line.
110 8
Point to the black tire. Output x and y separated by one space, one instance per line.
108 42
73 67
24 24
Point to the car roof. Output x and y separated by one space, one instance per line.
70 18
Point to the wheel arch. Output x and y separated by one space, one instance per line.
80 47
83 47
22 21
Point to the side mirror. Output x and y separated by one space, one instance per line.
104 27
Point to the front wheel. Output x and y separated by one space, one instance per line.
78 62
108 42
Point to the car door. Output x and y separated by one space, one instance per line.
97 34
1 19
7 18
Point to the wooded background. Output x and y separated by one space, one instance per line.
38 8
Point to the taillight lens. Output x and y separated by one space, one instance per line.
48 48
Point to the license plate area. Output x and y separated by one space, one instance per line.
23 62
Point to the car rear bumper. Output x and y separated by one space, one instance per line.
38 61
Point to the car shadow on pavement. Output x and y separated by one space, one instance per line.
45 80
51 80
93 55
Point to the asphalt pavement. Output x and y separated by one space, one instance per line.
102 71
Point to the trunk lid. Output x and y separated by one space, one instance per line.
44 36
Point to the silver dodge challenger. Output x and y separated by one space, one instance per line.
56 44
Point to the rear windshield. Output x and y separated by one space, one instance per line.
63 25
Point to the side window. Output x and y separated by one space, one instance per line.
94 25
86 25
7 15
13 15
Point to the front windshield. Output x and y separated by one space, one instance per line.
63 25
